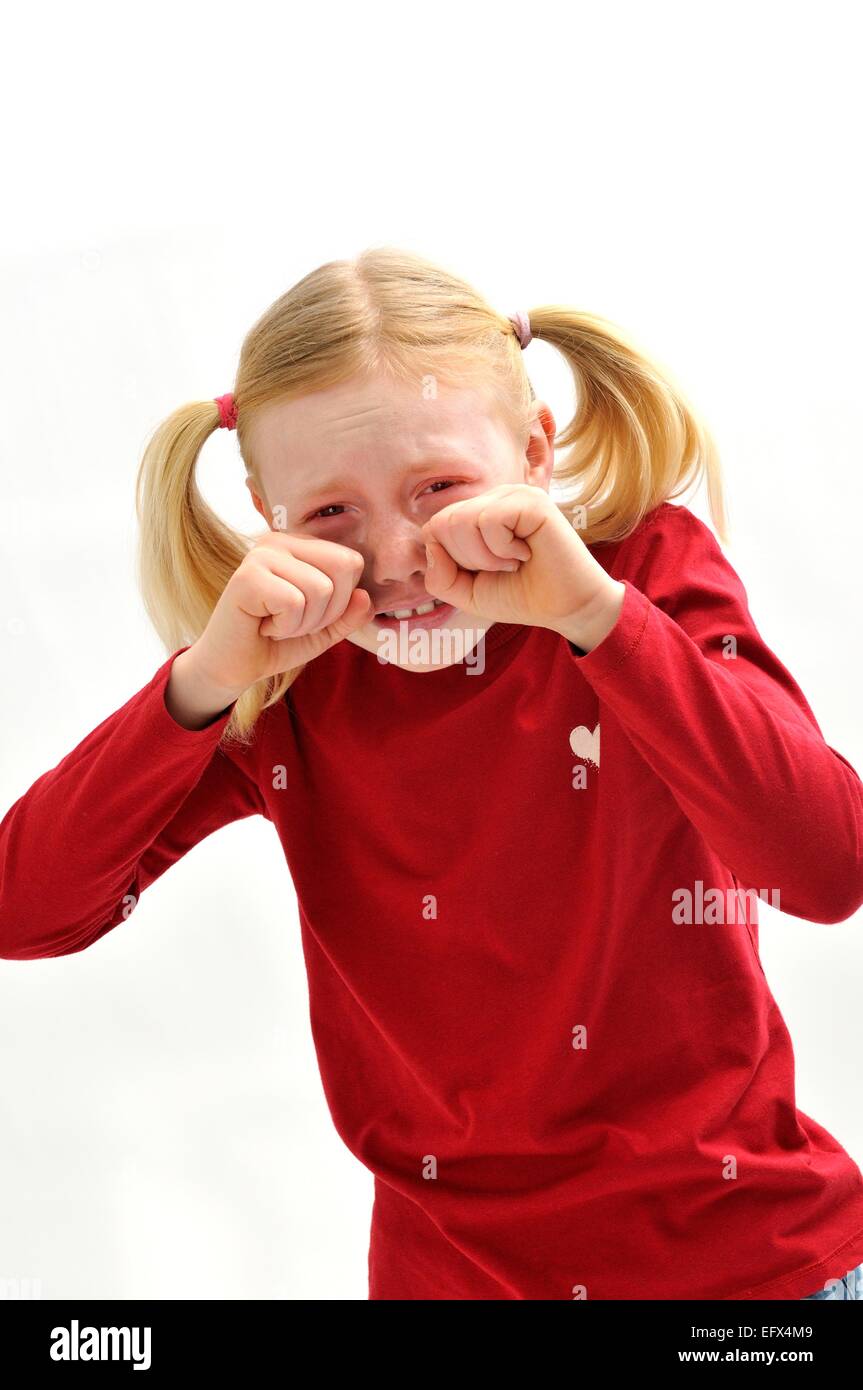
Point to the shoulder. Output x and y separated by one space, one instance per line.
666 535
668 525
675 559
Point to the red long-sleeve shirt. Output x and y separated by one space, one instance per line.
562 1086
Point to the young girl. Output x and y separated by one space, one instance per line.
528 815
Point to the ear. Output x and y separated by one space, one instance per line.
258 502
539 451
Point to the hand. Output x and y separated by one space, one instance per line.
555 581
290 599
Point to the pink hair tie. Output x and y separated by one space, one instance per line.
521 324
227 411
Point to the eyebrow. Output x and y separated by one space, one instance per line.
334 484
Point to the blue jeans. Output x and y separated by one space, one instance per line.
851 1286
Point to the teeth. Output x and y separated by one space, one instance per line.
410 612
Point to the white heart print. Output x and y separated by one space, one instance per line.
585 744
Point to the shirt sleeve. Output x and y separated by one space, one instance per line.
720 719
80 847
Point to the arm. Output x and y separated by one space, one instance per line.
731 736
79 848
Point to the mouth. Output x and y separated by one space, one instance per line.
425 615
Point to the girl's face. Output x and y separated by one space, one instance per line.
366 464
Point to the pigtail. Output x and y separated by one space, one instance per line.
186 554
634 441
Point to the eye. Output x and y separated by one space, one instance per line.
322 510
336 508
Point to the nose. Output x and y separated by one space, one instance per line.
394 551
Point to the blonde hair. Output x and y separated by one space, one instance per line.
632 443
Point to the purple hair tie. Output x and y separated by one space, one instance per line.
521 324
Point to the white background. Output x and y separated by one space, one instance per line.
689 171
